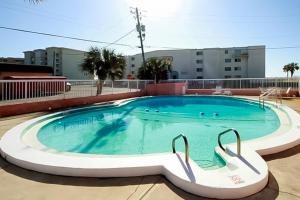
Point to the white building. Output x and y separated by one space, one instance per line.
65 62
208 63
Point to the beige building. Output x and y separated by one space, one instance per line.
65 62
208 63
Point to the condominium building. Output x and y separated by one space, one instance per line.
65 62
11 60
208 63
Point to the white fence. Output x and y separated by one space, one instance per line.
21 91
243 83
14 91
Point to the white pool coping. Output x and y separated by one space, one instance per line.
242 176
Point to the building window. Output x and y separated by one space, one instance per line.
133 65
227 68
199 77
238 76
132 58
57 54
199 53
237 52
57 65
199 61
199 70
237 68
227 60
227 76
226 51
57 60
132 72
237 60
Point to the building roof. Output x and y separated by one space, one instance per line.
6 67
212 48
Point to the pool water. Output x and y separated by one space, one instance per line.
148 125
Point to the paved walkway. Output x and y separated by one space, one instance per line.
17 183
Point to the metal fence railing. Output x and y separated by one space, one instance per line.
20 91
14 91
242 83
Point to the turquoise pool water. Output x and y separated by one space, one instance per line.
148 125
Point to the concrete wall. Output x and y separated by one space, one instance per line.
71 61
256 62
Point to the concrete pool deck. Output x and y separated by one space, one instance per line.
18 183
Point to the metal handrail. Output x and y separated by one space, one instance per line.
237 137
267 94
186 146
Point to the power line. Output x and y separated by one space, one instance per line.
120 38
65 37
127 45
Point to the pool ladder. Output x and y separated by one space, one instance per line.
238 140
186 143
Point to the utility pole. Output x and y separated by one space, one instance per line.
141 30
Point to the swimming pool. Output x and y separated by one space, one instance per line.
133 137
148 125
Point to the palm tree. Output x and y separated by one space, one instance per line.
104 64
155 69
291 67
286 69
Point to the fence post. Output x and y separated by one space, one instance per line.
128 86
112 87
240 83
26 90
203 84
137 85
65 85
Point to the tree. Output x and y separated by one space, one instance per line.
286 70
291 67
156 69
104 64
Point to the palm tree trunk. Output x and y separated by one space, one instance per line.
99 87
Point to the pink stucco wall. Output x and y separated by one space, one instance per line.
16 109
166 89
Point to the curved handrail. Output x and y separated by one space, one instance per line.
186 146
237 137
272 91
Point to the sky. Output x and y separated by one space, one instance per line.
169 23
